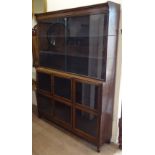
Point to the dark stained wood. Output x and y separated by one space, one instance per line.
98 144
120 132
57 98
35 50
105 95
114 13
34 85
93 9
86 109
44 92
71 75
82 106
85 135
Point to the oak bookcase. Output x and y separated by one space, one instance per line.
76 72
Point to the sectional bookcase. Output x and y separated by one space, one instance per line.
76 72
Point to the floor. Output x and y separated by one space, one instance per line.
49 139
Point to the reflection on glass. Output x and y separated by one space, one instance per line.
62 112
62 87
52 43
86 94
86 122
44 81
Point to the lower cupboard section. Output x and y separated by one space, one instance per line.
86 122
45 106
82 123
62 112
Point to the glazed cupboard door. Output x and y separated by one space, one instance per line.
86 45
75 44
86 94
62 95
52 38
86 123
45 106
44 82
86 108
63 113
63 87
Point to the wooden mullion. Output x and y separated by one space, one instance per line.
44 93
62 101
70 75
88 110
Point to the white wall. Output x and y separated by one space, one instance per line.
34 100
117 99
64 4
33 21
53 5
38 6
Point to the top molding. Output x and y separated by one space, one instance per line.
92 9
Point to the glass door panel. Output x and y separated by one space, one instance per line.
86 45
78 44
45 105
62 112
86 94
86 122
75 44
62 87
52 36
44 81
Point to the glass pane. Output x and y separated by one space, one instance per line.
45 105
86 94
62 87
75 44
86 122
62 112
44 81
86 45
78 45
52 43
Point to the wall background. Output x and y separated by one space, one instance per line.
39 6
53 5
64 4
